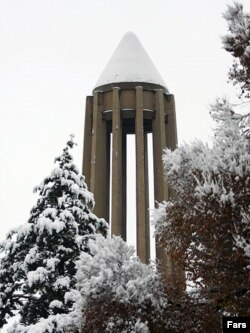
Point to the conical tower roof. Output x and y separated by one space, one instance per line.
130 63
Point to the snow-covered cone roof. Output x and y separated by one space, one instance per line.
130 63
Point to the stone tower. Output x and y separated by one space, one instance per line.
130 97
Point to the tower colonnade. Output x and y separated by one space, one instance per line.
130 97
128 108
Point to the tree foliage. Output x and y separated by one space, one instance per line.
119 293
237 42
208 219
37 269
206 223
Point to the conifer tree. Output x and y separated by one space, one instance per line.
37 266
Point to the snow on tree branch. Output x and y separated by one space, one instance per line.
119 293
237 42
39 257
206 223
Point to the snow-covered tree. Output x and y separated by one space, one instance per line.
119 293
237 42
37 266
206 224
208 219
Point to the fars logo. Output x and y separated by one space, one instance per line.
236 324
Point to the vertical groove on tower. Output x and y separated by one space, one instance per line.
86 164
117 182
99 160
141 192
160 186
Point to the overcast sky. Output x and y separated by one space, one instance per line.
51 55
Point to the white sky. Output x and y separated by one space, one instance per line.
51 55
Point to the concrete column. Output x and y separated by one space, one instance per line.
160 185
170 124
146 187
117 182
141 209
170 128
178 273
87 141
99 182
107 200
124 185
159 143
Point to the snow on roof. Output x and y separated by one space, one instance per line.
130 63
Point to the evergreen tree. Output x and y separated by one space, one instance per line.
37 267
